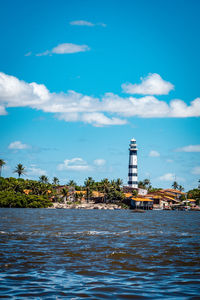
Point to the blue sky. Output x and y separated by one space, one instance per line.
79 79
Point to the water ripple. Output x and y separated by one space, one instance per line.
99 254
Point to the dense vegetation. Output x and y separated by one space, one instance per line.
194 194
36 194
24 193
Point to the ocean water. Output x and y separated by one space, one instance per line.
92 254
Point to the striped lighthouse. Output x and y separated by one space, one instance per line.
132 168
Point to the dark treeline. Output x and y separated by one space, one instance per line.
37 194
24 193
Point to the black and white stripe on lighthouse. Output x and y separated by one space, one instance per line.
132 168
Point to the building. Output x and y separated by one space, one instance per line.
132 168
141 203
129 189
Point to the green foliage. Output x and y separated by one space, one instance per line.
43 179
72 183
115 196
151 190
134 193
175 185
145 184
55 181
23 193
194 194
182 197
20 170
13 199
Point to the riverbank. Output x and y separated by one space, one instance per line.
89 205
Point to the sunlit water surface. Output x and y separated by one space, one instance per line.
119 254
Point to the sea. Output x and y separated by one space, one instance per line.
99 254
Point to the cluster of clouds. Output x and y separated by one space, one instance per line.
69 48
110 109
74 164
79 164
171 176
153 84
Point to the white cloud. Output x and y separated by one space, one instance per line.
79 164
81 23
75 107
99 119
34 171
190 148
153 84
196 170
154 153
66 48
86 23
17 145
170 177
167 177
99 162
74 164
70 48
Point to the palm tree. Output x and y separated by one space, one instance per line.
175 185
119 183
71 183
181 188
65 194
105 184
141 185
20 170
89 183
55 181
2 163
146 183
43 179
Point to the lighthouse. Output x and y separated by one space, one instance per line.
132 168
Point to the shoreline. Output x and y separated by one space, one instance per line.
90 205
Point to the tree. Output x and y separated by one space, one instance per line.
175 185
20 170
118 184
71 183
106 187
141 185
65 194
43 179
2 163
134 193
181 188
199 184
89 183
194 194
146 182
55 181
